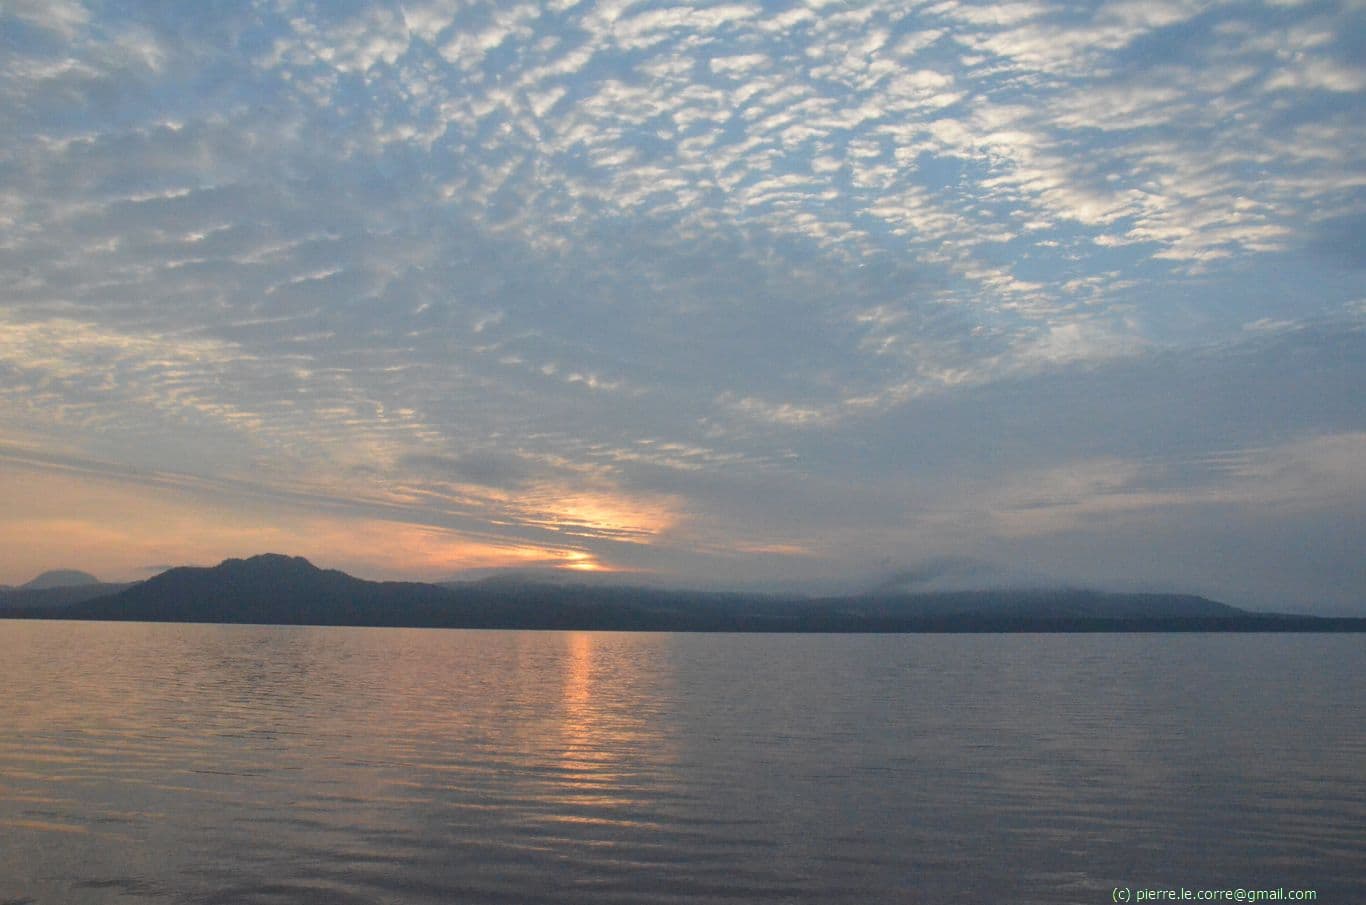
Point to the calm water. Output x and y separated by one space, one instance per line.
169 763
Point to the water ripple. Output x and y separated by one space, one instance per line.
204 764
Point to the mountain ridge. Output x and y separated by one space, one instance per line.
274 588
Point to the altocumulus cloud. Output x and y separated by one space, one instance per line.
740 292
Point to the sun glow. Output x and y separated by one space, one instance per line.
598 514
579 561
125 530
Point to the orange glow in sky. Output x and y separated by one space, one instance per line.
123 531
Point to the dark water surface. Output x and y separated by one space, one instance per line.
224 764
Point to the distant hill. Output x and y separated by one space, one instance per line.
275 589
1037 603
51 598
266 589
59 578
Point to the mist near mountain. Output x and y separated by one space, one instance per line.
55 589
59 578
289 590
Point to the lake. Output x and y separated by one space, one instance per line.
225 764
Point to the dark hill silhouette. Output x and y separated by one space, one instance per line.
59 578
275 589
269 588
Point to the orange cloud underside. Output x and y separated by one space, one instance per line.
117 530
594 514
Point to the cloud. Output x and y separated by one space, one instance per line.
488 468
705 266
64 17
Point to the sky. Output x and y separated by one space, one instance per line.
794 295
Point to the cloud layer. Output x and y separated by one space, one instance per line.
735 292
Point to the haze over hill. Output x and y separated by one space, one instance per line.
277 589
59 578
57 588
936 574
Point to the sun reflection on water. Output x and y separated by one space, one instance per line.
609 747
